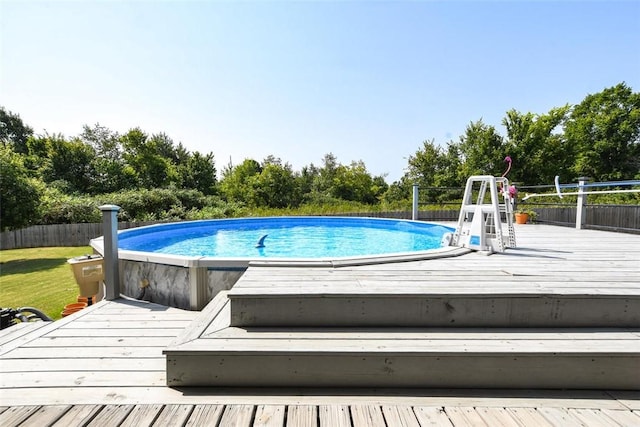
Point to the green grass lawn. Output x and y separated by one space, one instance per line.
39 277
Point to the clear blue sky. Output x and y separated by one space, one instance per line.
362 79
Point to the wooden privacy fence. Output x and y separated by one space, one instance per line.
624 218
38 236
606 217
427 215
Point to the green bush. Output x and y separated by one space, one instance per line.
20 195
60 208
191 199
142 205
214 207
57 207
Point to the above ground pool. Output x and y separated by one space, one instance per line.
185 264
285 238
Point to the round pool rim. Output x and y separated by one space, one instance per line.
244 262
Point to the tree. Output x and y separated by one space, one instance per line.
539 153
69 161
326 174
111 171
354 183
199 172
105 142
37 155
306 178
425 164
19 194
605 131
237 181
164 147
433 166
146 158
275 186
482 151
399 192
13 131
181 154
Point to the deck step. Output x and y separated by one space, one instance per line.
270 296
214 353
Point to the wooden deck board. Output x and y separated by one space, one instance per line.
17 380
15 332
139 325
334 416
399 415
205 415
432 416
47 415
174 415
302 416
142 415
95 364
420 343
560 417
529 417
497 417
465 416
111 415
16 415
367 415
270 416
237 416
625 418
83 352
357 415
77 414
593 417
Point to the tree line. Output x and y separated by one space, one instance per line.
598 138
51 178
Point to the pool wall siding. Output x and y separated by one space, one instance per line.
220 280
188 288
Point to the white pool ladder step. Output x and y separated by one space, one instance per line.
480 221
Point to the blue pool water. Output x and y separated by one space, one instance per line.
287 237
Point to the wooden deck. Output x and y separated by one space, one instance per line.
560 311
306 415
104 365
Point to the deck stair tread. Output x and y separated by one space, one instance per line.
623 343
218 335
503 297
275 281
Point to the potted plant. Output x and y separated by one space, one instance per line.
525 215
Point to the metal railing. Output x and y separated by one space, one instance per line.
610 217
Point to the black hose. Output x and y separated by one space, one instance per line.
35 312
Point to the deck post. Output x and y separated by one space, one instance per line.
581 208
111 266
414 211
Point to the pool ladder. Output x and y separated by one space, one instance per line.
480 222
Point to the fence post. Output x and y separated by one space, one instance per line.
110 236
414 211
581 208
